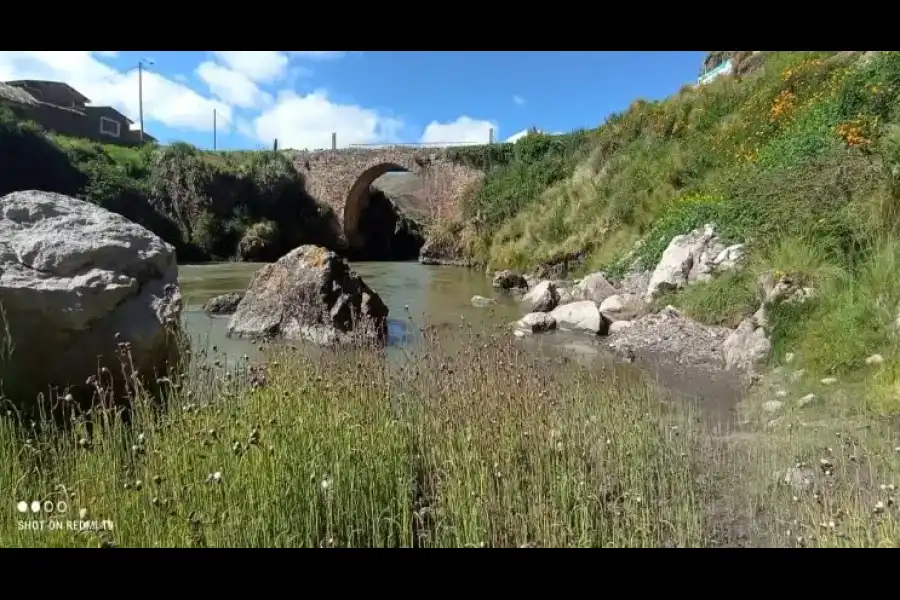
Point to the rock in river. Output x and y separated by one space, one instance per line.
311 293
72 276
536 322
581 316
224 304
509 280
543 298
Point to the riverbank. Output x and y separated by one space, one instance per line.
489 445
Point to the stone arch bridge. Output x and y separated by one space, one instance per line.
342 178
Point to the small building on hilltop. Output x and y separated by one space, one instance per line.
58 107
719 63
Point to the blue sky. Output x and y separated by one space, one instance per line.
300 97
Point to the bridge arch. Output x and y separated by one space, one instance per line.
358 200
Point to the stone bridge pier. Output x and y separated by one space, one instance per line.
342 179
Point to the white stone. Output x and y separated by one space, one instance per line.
772 406
581 316
594 287
806 400
481 301
621 307
875 359
536 322
543 298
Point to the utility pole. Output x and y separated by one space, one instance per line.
214 129
141 63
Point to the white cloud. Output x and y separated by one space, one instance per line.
107 53
318 54
308 122
464 129
518 136
519 100
296 120
231 86
168 102
259 65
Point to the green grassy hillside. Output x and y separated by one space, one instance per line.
799 159
209 205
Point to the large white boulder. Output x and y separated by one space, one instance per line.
542 298
622 307
581 316
74 277
594 287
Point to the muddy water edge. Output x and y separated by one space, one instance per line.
420 295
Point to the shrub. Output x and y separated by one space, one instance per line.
260 243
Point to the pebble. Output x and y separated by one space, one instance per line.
829 381
798 478
781 394
806 400
772 406
789 357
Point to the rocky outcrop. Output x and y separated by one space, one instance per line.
695 256
76 281
310 294
224 304
747 346
442 253
542 298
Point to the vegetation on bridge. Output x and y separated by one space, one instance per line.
209 205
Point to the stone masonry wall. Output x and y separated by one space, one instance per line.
331 174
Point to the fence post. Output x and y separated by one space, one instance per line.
275 145
334 140
491 136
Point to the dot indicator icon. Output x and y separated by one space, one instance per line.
22 506
35 507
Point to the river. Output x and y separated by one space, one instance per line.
416 295
419 295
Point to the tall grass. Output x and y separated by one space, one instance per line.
487 446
